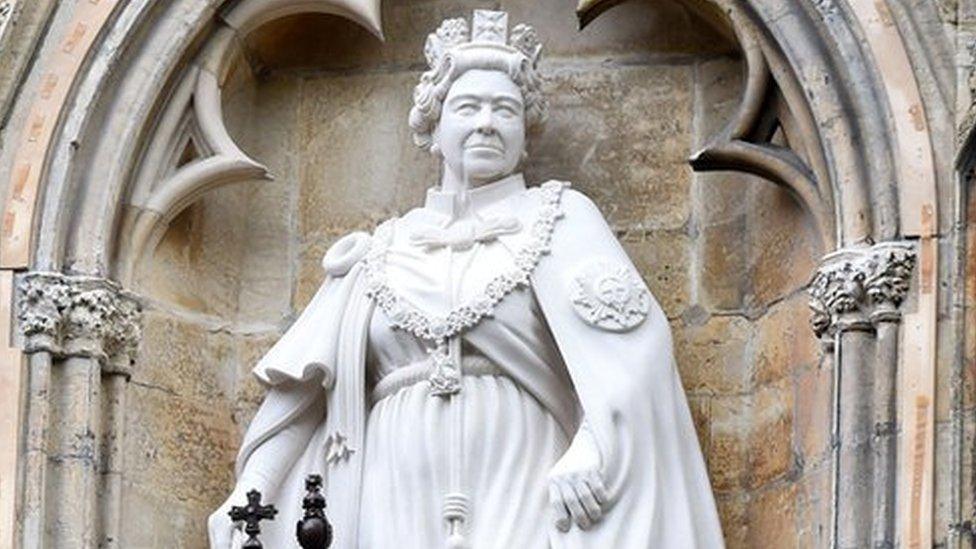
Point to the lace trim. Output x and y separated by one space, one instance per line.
406 316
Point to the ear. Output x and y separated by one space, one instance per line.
435 134
435 141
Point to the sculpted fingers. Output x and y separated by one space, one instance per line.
574 504
577 498
595 482
560 512
588 500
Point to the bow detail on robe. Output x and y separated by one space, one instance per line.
464 234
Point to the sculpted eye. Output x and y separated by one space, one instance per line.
506 108
466 108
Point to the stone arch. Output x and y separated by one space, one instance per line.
832 77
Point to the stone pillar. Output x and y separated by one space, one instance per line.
81 334
855 296
889 271
40 302
838 292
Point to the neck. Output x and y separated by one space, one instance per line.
459 184
453 182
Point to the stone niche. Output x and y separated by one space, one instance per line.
324 105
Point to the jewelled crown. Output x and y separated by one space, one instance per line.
489 29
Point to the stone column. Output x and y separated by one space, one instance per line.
40 302
81 334
855 296
121 345
889 271
838 292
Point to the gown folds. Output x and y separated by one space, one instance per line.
532 371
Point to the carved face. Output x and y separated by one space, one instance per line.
481 132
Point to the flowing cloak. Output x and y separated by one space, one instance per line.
627 382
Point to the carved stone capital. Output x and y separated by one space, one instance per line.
889 271
72 316
42 299
855 288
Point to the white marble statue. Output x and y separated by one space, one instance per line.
489 370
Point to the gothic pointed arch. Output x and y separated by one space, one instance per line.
123 129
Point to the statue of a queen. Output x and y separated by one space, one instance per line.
488 370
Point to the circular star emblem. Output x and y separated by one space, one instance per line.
610 296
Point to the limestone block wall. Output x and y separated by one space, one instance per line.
324 105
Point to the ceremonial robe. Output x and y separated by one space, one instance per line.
626 381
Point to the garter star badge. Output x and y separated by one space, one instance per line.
337 448
610 296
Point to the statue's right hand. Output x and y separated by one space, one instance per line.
224 534
576 489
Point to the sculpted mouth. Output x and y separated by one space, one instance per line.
485 147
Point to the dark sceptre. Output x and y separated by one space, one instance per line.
252 514
314 530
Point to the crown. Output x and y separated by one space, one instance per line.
489 29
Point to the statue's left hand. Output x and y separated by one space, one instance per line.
576 489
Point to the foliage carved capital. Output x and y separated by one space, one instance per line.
79 316
857 288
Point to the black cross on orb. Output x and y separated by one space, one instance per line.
314 530
252 515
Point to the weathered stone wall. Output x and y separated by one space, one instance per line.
22 27
943 34
324 104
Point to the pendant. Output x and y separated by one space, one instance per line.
445 376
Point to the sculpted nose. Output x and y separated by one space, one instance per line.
485 122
